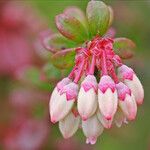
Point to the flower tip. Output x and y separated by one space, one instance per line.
140 102
108 118
109 126
91 141
132 118
53 120
84 118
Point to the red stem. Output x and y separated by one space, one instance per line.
92 68
104 63
71 75
81 67
114 76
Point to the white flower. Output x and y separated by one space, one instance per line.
87 98
69 125
120 118
92 128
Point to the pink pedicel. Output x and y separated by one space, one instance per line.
122 90
89 82
71 91
105 83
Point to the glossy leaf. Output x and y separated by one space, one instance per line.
71 24
64 59
124 47
98 15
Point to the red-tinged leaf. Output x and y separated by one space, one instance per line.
78 14
71 27
124 47
98 15
56 42
63 59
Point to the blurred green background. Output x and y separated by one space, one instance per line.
132 20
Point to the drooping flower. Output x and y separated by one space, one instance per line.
105 122
64 102
107 97
120 118
128 76
95 57
127 101
69 125
87 98
92 129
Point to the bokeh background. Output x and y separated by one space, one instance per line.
27 77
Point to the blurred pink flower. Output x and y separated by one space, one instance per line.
25 100
26 134
18 26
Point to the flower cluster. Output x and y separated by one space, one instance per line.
100 90
113 100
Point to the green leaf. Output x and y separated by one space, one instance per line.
56 42
98 15
124 47
72 25
78 14
64 59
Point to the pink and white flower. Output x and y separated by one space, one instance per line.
106 123
55 94
92 129
64 102
128 76
120 118
107 97
69 125
87 98
127 101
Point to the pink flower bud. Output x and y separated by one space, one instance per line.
127 101
106 123
107 97
92 128
64 102
87 98
69 125
55 94
120 118
131 80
